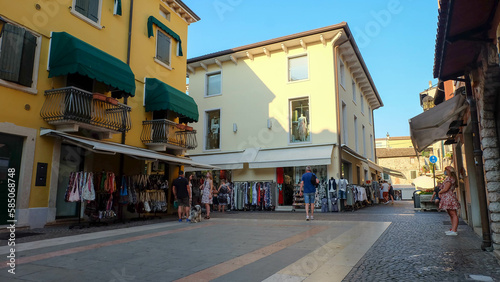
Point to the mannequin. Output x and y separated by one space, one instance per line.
302 127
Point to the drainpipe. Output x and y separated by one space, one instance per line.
337 97
478 159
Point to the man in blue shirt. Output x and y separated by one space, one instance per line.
309 190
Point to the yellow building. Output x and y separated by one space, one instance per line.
94 86
270 108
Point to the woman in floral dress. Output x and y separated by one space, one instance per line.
449 201
207 193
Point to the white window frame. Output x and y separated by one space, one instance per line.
206 82
288 67
354 91
86 19
363 129
341 73
345 128
206 129
165 13
371 147
362 102
36 64
290 114
356 137
169 51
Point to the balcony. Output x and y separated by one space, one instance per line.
71 108
162 134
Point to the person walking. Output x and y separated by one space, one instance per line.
449 201
207 193
182 193
308 189
223 191
385 192
391 194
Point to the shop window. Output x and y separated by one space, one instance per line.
88 10
297 68
300 122
163 48
213 83
213 130
18 49
346 171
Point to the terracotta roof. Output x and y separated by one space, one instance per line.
395 152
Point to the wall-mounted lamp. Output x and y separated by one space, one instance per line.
235 127
269 123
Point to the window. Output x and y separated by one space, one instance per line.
364 140
214 83
341 73
300 122
18 49
371 147
353 90
213 130
297 68
88 9
362 102
356 133
345 129
369 115
164 13
163 48
413 174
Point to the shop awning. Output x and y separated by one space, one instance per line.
374 166
433 124
161 96
105 147
393 172
234 160
290 157
69 54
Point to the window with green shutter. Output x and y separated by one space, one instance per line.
163 48
88 9
17 54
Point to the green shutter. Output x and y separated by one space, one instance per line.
163 48
27 59
82 7
94 10
10 56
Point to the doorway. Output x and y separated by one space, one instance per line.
11 148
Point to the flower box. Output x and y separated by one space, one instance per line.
181 126
99 96
112 101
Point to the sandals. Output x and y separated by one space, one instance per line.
207 217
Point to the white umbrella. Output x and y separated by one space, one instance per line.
423 182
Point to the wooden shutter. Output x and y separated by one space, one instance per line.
82 7
27 59
93 12
163 48
11 52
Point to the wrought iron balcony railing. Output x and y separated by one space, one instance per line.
163 131
73 105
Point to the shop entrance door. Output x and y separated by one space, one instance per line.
11 148
71 161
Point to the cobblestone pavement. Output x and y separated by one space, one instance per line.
413 248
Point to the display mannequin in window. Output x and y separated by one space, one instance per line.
302 127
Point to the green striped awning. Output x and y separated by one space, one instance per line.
69 54
161 96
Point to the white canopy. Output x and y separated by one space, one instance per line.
433 124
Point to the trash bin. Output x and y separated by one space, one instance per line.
416 199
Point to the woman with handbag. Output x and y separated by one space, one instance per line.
207 193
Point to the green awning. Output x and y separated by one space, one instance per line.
69 54
161 96
152 20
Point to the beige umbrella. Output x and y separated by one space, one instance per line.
424 182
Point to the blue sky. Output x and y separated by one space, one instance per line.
396 39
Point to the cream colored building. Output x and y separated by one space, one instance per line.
268 109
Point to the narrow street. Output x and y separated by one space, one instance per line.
377 243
